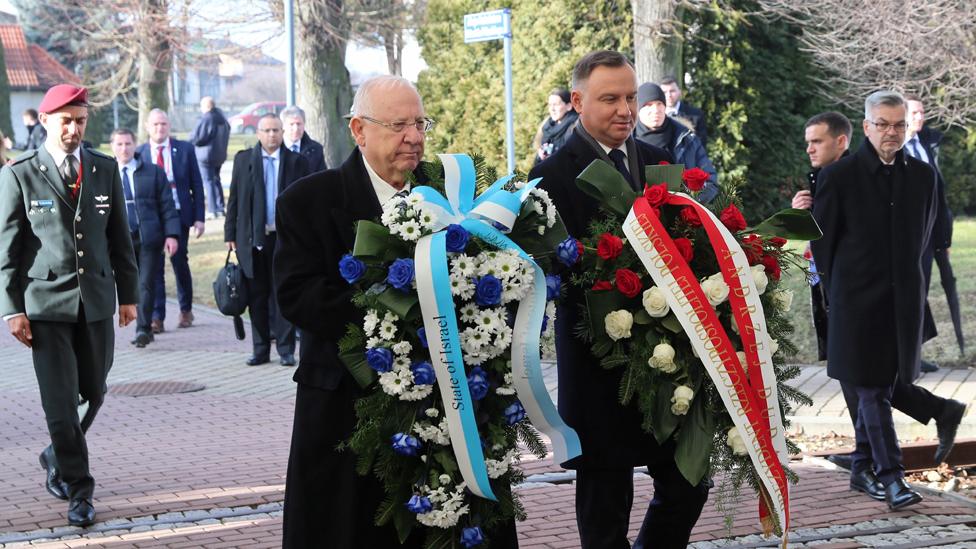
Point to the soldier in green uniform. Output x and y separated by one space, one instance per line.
65 255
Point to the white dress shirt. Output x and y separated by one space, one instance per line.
384 190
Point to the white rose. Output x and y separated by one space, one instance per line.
663 358
773 346
681 400
760 278
716 290
783 299
655 303
444 479
618 324
736 443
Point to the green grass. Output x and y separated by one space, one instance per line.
943 349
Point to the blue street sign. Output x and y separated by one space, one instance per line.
487 25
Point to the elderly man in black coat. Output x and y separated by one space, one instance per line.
876 209
613 442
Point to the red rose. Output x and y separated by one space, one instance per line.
772 267
601 285
579 251
732 218
807 254
628 282
609 246
752 246
690 216
684 248
777 241
663 163
656 194
695 179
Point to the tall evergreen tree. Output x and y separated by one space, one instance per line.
463 87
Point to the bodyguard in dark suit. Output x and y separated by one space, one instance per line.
683 109
296 140
613 442
66 256
210 137
876 209
260 174
36 134
179 161
153 222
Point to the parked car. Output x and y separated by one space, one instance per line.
246 121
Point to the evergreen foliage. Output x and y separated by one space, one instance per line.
957 160
464 87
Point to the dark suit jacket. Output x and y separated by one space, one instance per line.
610 434
245 221
35 137
154 205
942 232
875 230
696 117
313 152
57 252
186 177
210 137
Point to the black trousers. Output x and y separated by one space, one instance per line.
262 303
916 402
150 258
874 431
604 498
72 358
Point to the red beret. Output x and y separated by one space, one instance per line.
61 96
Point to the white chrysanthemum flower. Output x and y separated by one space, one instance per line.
402 348
409 230
432 412
414 198
487 321
373 342
503 339
461 285
427 218
497 468
396 381
370 321
428 432
416 392
388 330
401 361
463 265
473 340
469 312
508 266
390 316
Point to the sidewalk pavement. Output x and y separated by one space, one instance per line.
207 468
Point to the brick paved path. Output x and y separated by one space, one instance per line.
206 469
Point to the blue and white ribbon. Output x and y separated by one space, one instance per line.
493 213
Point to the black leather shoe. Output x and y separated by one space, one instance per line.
257 360
288 360
81 512
946 426
53 481
929 367
841 460
142 339
899 495
867 482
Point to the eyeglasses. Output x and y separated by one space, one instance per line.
423 125
883 127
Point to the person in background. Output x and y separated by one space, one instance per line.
674 135
297 141
557 127
36 134
679 108
179 161
210 138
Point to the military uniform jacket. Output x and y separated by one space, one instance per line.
58 253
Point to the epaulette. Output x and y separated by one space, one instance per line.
24 156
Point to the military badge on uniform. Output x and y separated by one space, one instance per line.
41 207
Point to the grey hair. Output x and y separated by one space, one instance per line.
157 111
889 98
291 111
362 103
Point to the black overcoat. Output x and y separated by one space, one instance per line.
876 222
246 213
610 433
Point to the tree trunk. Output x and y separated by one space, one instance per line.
155 60
324 90
657 40
393 44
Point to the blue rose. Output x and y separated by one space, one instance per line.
419 504
478 383
514 413
380 359
567 252
545 323
405 445
422 336
488 291
351 268
423 373
400 274
457 238
553 284
472 536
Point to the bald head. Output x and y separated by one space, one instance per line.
207 104
376 88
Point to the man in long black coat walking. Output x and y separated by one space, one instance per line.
613 442
876 209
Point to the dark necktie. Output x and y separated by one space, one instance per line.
294 147
620 162
130 202
71 174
